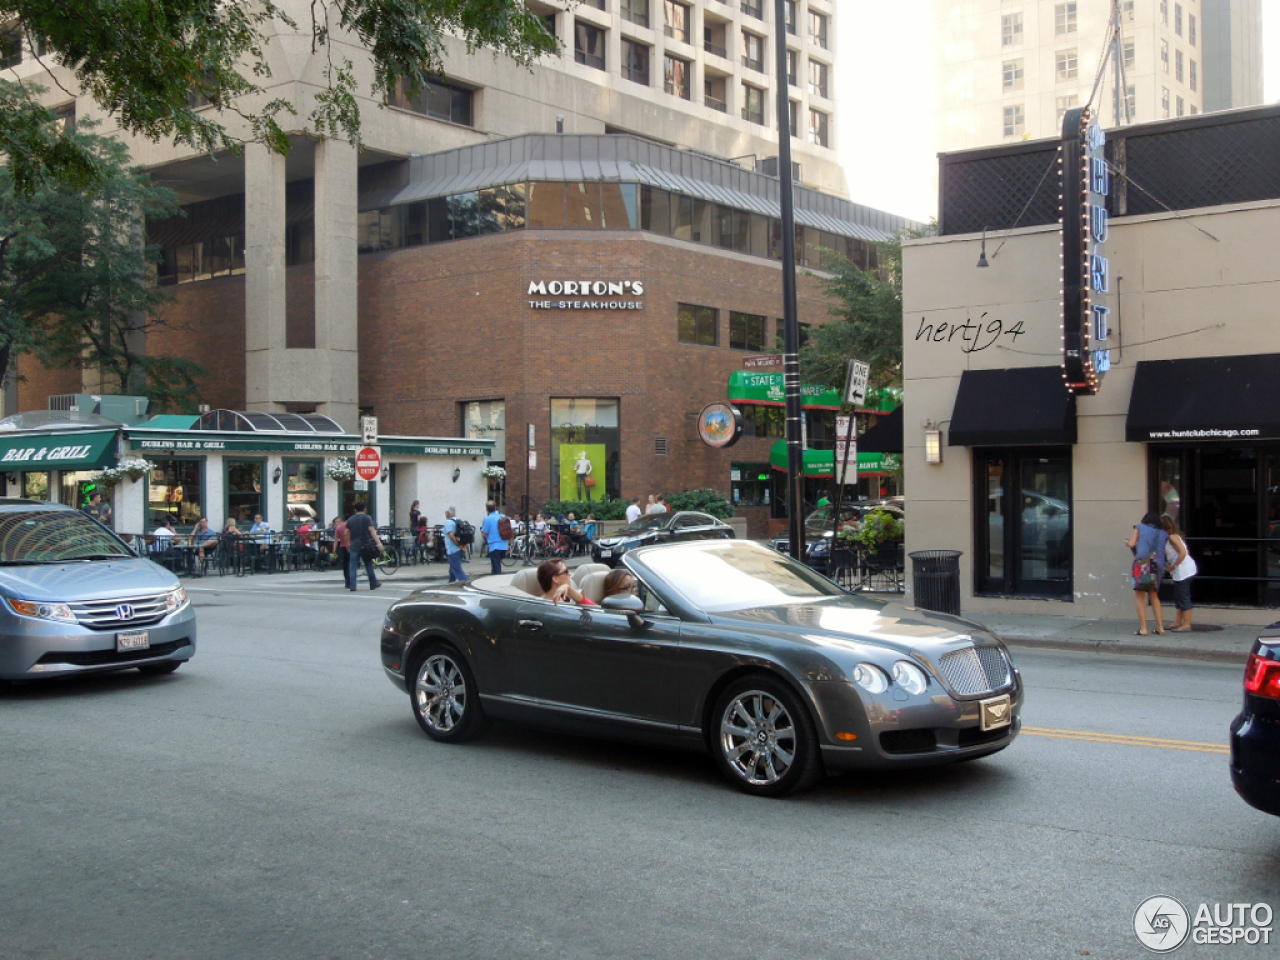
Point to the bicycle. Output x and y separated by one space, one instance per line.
522 548
387 563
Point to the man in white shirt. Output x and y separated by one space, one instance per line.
633 511
162 537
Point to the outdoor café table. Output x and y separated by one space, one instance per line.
258 547
187 552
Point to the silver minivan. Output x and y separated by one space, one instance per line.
75 599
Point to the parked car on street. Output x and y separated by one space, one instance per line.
1255 733
818 532
75 599
659 528
725 646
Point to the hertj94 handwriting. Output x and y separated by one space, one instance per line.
974 336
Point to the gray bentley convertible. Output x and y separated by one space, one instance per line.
726 646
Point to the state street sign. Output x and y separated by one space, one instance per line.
368 463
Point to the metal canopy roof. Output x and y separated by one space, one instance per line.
255 421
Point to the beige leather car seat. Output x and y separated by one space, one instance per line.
583 569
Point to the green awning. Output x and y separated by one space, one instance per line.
171 421
822 463
767 390
89 450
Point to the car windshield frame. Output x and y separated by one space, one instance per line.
728 576
41 535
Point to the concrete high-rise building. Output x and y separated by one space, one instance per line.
1009 69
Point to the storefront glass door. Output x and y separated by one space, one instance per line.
1023 531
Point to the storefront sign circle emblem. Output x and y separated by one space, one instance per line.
719 425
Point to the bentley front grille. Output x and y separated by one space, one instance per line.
975 670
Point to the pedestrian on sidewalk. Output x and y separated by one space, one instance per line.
492 530
1147 543
1181 567
453 549
365 545
633 511
342 551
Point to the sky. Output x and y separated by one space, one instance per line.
885 81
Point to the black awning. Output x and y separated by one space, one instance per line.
1027 405
885 436
1205 398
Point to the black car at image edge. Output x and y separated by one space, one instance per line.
1255 733
681 526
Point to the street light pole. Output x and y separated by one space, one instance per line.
790 321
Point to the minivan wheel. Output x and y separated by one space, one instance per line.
764 740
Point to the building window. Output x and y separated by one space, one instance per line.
1010 29
1164 101
752 103
818 29
1191 29
1178 72
696 324
750 480
1023 524
1195 77
1194 109
819 128
1066 65
819 78
1182 108
1131 98
1065 104
1177 19
10 48
676 77
1130 56
1164 12
588 45
1164 55
243 484
1064 19
1127 9
549 24
746 331
1014 122
791 15
753 51
753 8
175 490
303 491
793 68
793 117
585 425
678 20
763 421
1011 74
635 61
443 101
635 11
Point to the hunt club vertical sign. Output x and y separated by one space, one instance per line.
1086 273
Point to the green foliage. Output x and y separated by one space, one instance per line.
151 66
705 500
610 508
76 279
874 529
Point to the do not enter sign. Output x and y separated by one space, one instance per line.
368 463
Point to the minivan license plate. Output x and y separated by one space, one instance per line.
997 712
133 640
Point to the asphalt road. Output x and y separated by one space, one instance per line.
274 798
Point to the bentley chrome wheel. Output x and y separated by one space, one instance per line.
758 737
445 699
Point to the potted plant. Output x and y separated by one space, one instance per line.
878 528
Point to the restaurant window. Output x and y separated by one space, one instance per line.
635 61
443 101
582 206
759 421
752 104
1023 535
746 331
585 429
750 483
678 20
35 485
655 210
303 491
243 484
677 76
76 486
588 44
175 489
697 324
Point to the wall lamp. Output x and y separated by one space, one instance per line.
982 254
386 472
933 441
457 472
276 474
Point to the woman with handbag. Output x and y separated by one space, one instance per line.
1182 567
1147 543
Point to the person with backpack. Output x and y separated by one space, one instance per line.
497 534
453 545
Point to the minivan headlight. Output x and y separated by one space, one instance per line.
175 600
42 610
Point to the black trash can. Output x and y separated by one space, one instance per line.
936 580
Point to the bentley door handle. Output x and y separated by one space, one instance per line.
531 624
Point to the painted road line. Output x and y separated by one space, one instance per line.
1195 746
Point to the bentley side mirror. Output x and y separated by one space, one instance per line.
629 604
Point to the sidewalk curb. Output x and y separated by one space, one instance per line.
1123 649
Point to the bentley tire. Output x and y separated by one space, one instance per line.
445 700
763 738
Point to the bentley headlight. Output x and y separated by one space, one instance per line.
175 600
870 679
909 677
43 611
